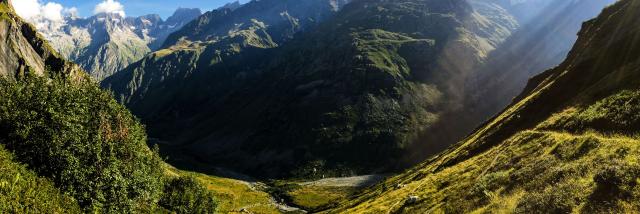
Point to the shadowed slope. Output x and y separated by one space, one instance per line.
345 97
567 144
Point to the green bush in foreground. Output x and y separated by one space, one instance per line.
78 136
187 195
22 191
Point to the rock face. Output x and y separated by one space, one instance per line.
180 18
281 87
106 43
25 52
574 129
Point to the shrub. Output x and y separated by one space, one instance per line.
22 191
562 198
613 183
617 113
187 195
90 146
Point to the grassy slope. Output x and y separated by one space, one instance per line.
570 144
22 191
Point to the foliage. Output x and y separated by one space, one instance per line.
75 134
187 195
22 191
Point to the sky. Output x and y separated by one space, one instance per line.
85 8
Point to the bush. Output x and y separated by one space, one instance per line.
617 113
22 191
614 183
187 195
90 146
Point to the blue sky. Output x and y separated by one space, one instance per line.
142 7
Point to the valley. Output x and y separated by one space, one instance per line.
292 113
320 106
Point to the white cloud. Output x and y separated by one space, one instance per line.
48 15
109 6
27 8
52 11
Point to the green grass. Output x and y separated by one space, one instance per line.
4 8
22 191
569 163
315 198
233 195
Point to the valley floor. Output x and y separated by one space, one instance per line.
239 193
240 196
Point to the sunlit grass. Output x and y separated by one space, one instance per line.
233 196
565 164
316 197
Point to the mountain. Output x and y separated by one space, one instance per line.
547 30
105 43
66 146
540 44
567 144
310 88
180 18
24 52
231 5
280 19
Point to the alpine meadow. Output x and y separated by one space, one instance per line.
320 106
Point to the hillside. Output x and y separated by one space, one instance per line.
568 144
66 146
541 43
547 31
106 43
284 99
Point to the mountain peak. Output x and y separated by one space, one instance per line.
231 5
183 15
184 10
107 42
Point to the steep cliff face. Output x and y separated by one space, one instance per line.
567 144
25 52
106 43
280 96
